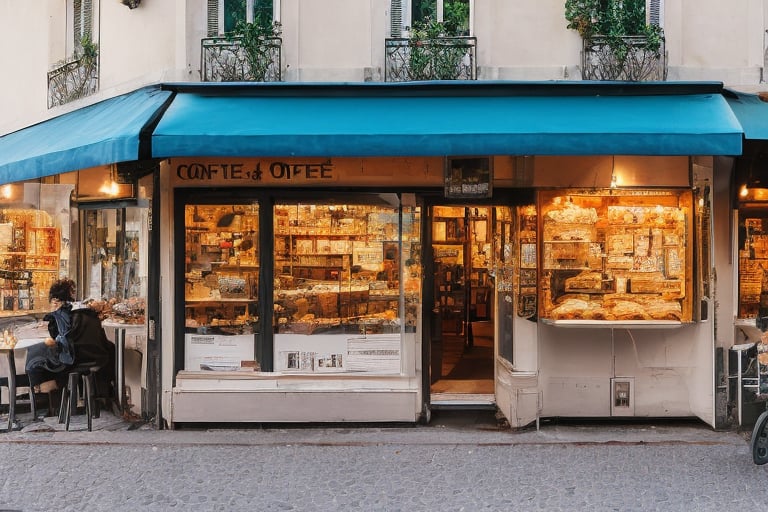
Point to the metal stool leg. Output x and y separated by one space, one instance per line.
71 396
32 404
88 388
64 402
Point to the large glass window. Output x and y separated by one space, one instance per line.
115 261
341 274
617 255
221 282
34 245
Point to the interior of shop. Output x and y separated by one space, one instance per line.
462 345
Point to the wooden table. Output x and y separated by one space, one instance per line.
10 354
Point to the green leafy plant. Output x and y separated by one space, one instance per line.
257 40
75 77
619 30
456 17
435 53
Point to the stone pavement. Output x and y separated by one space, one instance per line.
452 427
459 462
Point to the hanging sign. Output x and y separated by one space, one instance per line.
468 177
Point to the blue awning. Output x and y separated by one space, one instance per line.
752 113
350 124
103 133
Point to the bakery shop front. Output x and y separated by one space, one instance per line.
371 253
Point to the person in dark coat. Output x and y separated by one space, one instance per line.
76 337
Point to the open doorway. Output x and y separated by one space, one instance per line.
462 344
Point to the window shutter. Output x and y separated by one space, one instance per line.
213 18
656 12
88 18
77 31
396 18
82 24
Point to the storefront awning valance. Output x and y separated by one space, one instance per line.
752 113
201 123
103 133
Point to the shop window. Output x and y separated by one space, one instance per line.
223 15
34 246
753 262
100 184
115 262
616 255
752 198
346 286
221 283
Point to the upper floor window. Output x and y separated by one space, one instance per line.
223 15
456 15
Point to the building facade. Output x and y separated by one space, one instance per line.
371 220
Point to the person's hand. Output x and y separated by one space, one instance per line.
50 342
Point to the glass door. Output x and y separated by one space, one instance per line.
462 318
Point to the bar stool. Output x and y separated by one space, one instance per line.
69 394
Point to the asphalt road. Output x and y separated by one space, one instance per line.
447 466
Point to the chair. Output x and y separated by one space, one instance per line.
22 381
69 395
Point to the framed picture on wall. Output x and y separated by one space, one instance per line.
468 177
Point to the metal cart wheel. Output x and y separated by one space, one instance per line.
759 441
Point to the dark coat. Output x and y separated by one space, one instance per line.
86 336
84 342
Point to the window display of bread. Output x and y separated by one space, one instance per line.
564 211
587 280
628 251
570 309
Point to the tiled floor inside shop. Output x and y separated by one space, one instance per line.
467 370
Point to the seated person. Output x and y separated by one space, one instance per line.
76 337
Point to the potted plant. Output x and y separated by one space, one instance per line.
258 41
618 43
436 47
75 77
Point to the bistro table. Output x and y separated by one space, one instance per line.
10 353
130 337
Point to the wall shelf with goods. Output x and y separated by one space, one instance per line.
30 248
753 262
221 269
336 269
616 256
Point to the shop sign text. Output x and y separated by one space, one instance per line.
272 172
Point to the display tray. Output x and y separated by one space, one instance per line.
616 324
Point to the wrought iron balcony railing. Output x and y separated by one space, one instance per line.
626 58
228 60
72 80
444 58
